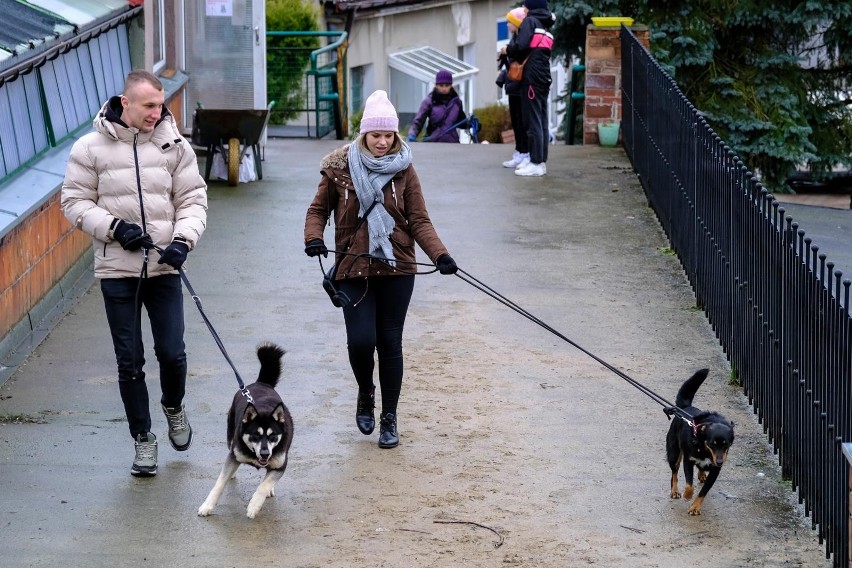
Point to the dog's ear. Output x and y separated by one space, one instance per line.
250 414
278 414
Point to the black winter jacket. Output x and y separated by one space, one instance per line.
534 40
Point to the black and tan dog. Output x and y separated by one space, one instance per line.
259 433
703 444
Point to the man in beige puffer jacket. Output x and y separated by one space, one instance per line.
133 184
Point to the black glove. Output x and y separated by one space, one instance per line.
174 255
446 264
315 248
130 236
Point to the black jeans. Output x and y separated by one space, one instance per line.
534 103
374 322
162 297
516 114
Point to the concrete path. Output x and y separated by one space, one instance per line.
502 424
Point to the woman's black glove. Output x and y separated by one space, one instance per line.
446 264
315 248
130 236
174 255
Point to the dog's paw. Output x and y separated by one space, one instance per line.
687 492
702 476
674 494
695 508
205 509
255 505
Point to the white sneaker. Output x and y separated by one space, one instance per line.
531 170
513 163
525 159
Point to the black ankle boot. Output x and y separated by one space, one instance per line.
388 437
364 417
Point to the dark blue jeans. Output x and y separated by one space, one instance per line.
162 297
374 321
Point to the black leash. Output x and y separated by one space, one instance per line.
215 335
668 408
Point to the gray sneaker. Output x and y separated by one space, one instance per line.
145 463
180 432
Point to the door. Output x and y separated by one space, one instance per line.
225 54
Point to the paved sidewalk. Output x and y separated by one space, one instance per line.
501 422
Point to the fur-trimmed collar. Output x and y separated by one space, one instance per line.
337 159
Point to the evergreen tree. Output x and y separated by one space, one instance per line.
772 78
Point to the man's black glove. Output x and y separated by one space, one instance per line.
130 236
174 255
315 248
446 264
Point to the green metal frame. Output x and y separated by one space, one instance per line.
574 95
336 97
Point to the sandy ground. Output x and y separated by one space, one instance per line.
516 448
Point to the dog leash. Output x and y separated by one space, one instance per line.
243 389
668 408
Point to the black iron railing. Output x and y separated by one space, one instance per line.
778 307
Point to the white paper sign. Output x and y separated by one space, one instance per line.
220 8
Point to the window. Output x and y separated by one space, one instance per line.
356 87
158 15
39 109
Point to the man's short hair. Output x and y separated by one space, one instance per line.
141 76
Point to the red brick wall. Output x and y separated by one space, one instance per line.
603 77
34 256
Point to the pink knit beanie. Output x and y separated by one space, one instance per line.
516 16
379 114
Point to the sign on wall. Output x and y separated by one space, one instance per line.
220 7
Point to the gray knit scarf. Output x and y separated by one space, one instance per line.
370 175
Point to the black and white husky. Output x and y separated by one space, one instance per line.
259 433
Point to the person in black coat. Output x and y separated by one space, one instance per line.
533 44
521 155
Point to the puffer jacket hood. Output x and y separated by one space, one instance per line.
148 178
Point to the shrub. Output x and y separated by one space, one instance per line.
493 119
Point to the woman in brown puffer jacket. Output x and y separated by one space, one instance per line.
374 193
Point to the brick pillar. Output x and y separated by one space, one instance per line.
602 101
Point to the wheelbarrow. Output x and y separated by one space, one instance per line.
232 133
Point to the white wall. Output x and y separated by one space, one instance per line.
373 38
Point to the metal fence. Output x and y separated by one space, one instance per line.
307 81
778 307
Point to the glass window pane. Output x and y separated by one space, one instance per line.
113 52
7 133
94 48
36 114
20 121
75 104
54 100
87 73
